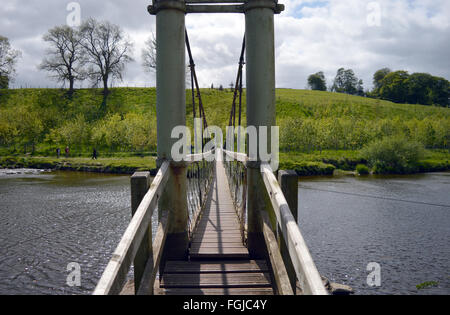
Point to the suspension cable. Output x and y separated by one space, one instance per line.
194 81
238 89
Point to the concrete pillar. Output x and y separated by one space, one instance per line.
260 65
288 181
171 112
140 183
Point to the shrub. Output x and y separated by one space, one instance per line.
362 169
393 155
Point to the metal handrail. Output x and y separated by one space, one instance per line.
200 176
236 170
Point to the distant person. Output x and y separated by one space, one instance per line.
58 152
94 154
67 152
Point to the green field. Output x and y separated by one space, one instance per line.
319 131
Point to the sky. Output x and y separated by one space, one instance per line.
311 36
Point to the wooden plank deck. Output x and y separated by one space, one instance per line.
217 235
219 263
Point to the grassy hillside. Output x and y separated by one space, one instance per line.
319 131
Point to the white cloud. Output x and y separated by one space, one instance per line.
311 36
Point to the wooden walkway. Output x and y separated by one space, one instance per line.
218 262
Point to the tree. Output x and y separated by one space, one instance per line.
378 78
417 88
65 59
394 87
360 88
149 58
8 60
149 54
109 50
441 91
317 81
29 126
345 82
420 87
8 127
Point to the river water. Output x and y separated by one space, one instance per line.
49 220
402 223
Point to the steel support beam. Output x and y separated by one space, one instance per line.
171 112
260 65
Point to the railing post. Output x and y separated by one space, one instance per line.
140 183
260 66
288 181
171 112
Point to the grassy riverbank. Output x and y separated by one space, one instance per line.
306 164
119 165
320 132
330 162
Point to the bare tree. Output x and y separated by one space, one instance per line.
65 59
8 60
149 54
149 58
109 50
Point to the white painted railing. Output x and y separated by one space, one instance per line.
235 156
305 269
115 274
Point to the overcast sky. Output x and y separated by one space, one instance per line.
311 36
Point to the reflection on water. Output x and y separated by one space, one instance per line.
48 220
400 222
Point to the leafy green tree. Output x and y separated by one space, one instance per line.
345 82
29 126
74 133
395 87
140 132
417 88
420 86
8 129
378 79
317 81
360 88
111 132
440 92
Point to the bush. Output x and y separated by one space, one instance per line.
395 155
362 169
